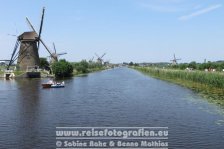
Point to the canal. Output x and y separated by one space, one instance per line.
119 97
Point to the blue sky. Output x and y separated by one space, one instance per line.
127 30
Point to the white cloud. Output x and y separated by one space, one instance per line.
200 12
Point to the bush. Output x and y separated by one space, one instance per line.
81 66
62 69
131 64
192 65
44 63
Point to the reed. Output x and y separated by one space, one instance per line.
211 79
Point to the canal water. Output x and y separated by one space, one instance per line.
119 97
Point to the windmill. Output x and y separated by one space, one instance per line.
91 60
29 43
174 60
107 62
54 56
100 58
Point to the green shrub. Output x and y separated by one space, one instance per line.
62 69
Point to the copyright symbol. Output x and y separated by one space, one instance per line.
58 143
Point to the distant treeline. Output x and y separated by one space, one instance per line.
218 66
86 67
63 68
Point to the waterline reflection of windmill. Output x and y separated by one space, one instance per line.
100 58
174 60
54 55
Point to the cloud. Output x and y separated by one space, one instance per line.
200 12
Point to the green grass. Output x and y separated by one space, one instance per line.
208 84
18 73
212 79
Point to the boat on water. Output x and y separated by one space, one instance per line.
58 85
52 84
46 85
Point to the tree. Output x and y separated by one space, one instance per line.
202 66
62 69
131 64
193 65
82 66
136 64
44 63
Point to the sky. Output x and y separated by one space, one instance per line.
126 30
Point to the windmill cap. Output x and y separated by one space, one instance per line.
28 36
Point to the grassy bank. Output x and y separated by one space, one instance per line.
208 84
80 73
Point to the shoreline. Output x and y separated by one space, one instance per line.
44 75
211 93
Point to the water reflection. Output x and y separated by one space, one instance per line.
28 104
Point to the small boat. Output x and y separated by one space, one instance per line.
58 85
46 85
51 84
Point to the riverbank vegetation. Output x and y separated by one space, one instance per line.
62 69
208 84
67 69
84 67
209 66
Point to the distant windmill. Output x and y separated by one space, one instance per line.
174 60
100 58
91 60
54 56
29 43
107 62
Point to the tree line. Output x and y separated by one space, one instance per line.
63 68
218 66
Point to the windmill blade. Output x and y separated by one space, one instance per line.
29 23
174 56
4 60
97 55
61 54
16 28
103 55
13 53
54 48
12 35
41 39
41 26
47 48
